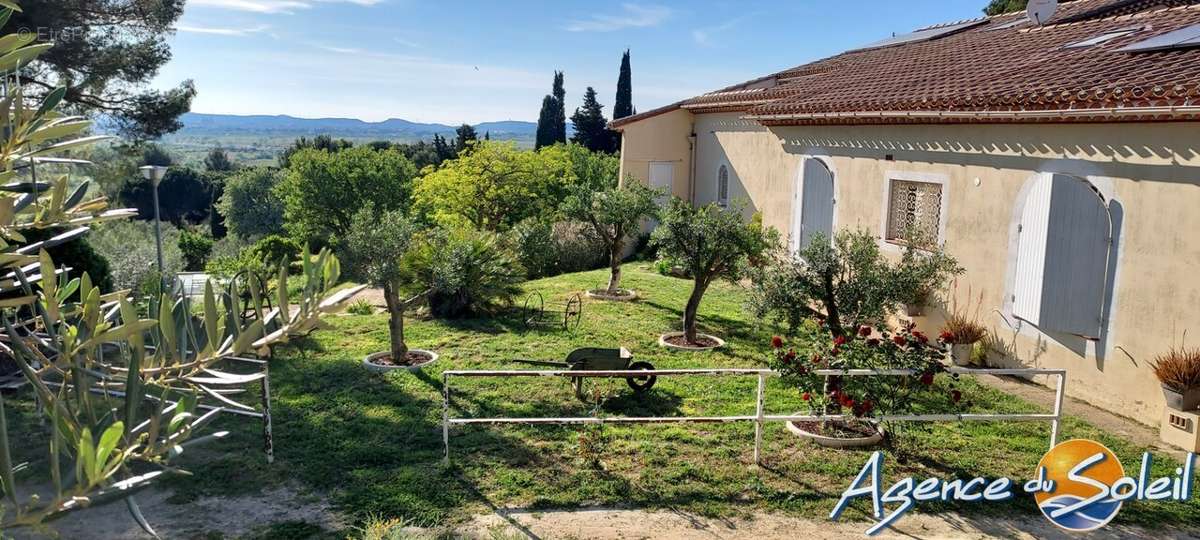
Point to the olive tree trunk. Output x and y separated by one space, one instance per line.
614 264
395 309
693 305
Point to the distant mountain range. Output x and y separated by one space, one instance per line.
221 125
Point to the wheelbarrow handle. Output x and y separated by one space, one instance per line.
541 363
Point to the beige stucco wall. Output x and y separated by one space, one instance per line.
665 137
1149 172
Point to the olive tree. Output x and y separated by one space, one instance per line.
375 248
711 243
615 214
848 282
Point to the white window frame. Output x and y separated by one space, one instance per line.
723 203
912 176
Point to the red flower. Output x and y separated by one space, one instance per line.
816 359
776 342
840 340
899 340
868 405
806 396
927 378
956 396
921 337
791 354
864 330
834 351
946 336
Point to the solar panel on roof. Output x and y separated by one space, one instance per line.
922 35
1176 39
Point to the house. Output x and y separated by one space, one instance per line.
1059 163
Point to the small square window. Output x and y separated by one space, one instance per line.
914 213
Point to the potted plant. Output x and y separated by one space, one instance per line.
375 247
962 331
1178 370
711 243
863 397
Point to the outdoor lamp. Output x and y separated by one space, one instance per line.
155 174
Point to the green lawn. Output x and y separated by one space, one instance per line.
373 444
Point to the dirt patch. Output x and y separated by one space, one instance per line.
614 524
234 517
839 429
411 358
700 342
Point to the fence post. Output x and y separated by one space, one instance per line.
268 437
758 420
446 418
1058 403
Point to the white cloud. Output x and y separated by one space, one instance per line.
274 6
237 32
704 36
634 16
408 43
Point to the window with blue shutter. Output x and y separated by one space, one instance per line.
1064 242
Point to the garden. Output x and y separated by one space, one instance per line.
284 374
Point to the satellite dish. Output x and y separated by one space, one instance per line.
1040 11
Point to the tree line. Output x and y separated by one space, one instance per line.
591 128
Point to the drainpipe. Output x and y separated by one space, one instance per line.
692 166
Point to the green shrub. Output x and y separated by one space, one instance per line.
196 247
78 255
129 248
275 248
471 272
548 249
362 306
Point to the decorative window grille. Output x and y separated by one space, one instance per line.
723 186
914 212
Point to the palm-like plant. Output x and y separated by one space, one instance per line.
117 389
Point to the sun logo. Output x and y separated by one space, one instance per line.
1078 479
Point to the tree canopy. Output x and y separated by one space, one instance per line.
591 129
494 186
184 196
249 204
322 190
552 119
997 7
106 54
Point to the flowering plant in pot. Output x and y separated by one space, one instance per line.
962 331
862 397
1178 370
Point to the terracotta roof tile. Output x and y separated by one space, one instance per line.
988 67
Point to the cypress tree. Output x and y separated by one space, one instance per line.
560 119
546 122
591 129
624 104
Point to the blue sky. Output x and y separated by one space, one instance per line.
457 61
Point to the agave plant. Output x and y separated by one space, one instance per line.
121 392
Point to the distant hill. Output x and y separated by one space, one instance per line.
258 139
210 125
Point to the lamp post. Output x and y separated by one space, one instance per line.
155 174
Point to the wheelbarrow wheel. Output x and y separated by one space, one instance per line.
641 384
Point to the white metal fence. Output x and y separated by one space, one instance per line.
760 416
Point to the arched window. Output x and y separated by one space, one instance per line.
723 186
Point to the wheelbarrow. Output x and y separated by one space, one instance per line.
598 359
